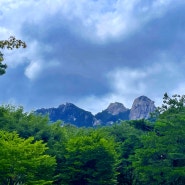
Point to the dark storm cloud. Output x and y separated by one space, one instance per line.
160 34
119 49
14 84
83 64
78 55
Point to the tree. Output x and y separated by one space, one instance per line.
23 161
161 160
11 43
25 124
90 159
127 138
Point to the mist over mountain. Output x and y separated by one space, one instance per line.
70 113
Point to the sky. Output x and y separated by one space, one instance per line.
92 52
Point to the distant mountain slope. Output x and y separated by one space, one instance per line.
70 113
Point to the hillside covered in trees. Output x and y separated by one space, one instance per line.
138 152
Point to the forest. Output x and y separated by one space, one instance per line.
34 151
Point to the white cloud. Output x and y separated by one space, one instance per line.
180 89
109 26
128 81
33 70
159 3
99 20
5 33
123 18
127 84
139 80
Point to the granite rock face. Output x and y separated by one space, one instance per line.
114 112
116 108
141 108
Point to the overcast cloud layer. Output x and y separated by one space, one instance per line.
91 52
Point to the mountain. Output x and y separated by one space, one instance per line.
141 108
114 112
70 113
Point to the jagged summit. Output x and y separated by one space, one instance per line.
68 107
115 111
70 113
141 108
116 108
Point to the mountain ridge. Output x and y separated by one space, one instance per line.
70 113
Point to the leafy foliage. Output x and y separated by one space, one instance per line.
127 138
23 161
162 158
11 43
90 159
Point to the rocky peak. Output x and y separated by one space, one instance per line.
69 113
141 108
116 108
67 107
115 112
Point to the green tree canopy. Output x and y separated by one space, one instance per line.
161 160
23 161
127 139
90 159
